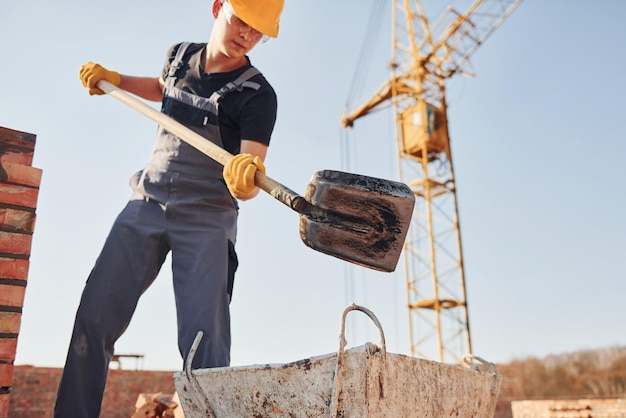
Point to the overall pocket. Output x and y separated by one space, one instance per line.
233 263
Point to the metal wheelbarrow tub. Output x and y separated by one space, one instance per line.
362 382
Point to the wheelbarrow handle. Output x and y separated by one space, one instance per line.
264 182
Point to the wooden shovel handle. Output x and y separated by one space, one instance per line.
266 183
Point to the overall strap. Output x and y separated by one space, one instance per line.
238 84
175 65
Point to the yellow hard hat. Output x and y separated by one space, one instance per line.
262 15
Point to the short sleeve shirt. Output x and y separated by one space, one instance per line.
247 114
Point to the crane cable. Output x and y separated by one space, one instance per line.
360 74
371 34
355 91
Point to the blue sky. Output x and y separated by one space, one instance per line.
537 138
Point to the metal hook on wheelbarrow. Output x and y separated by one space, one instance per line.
337 387
204 406
474 363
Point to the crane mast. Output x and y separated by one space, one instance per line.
423 58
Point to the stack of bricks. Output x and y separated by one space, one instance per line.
19 189
570 408
34 390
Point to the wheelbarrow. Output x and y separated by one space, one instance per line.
361 382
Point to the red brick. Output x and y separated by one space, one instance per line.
8 348
16 146
11 295
10 322
4 405
14 268
22 140
18 195
6 375
18 158
13 243
17 220
21 174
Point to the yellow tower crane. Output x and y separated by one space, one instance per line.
423 58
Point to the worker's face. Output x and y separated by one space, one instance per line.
238 38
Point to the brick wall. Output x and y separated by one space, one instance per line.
34 391
19 189
27 391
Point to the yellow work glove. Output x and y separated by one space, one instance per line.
239 175
90 73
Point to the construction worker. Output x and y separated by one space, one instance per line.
182 202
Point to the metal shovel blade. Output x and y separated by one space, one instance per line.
367 218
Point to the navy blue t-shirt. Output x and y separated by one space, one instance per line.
247 114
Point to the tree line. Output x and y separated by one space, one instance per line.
597 373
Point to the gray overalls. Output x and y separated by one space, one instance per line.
180 203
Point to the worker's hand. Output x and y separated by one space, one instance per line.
239 175
90 73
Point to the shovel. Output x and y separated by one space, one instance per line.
360 219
